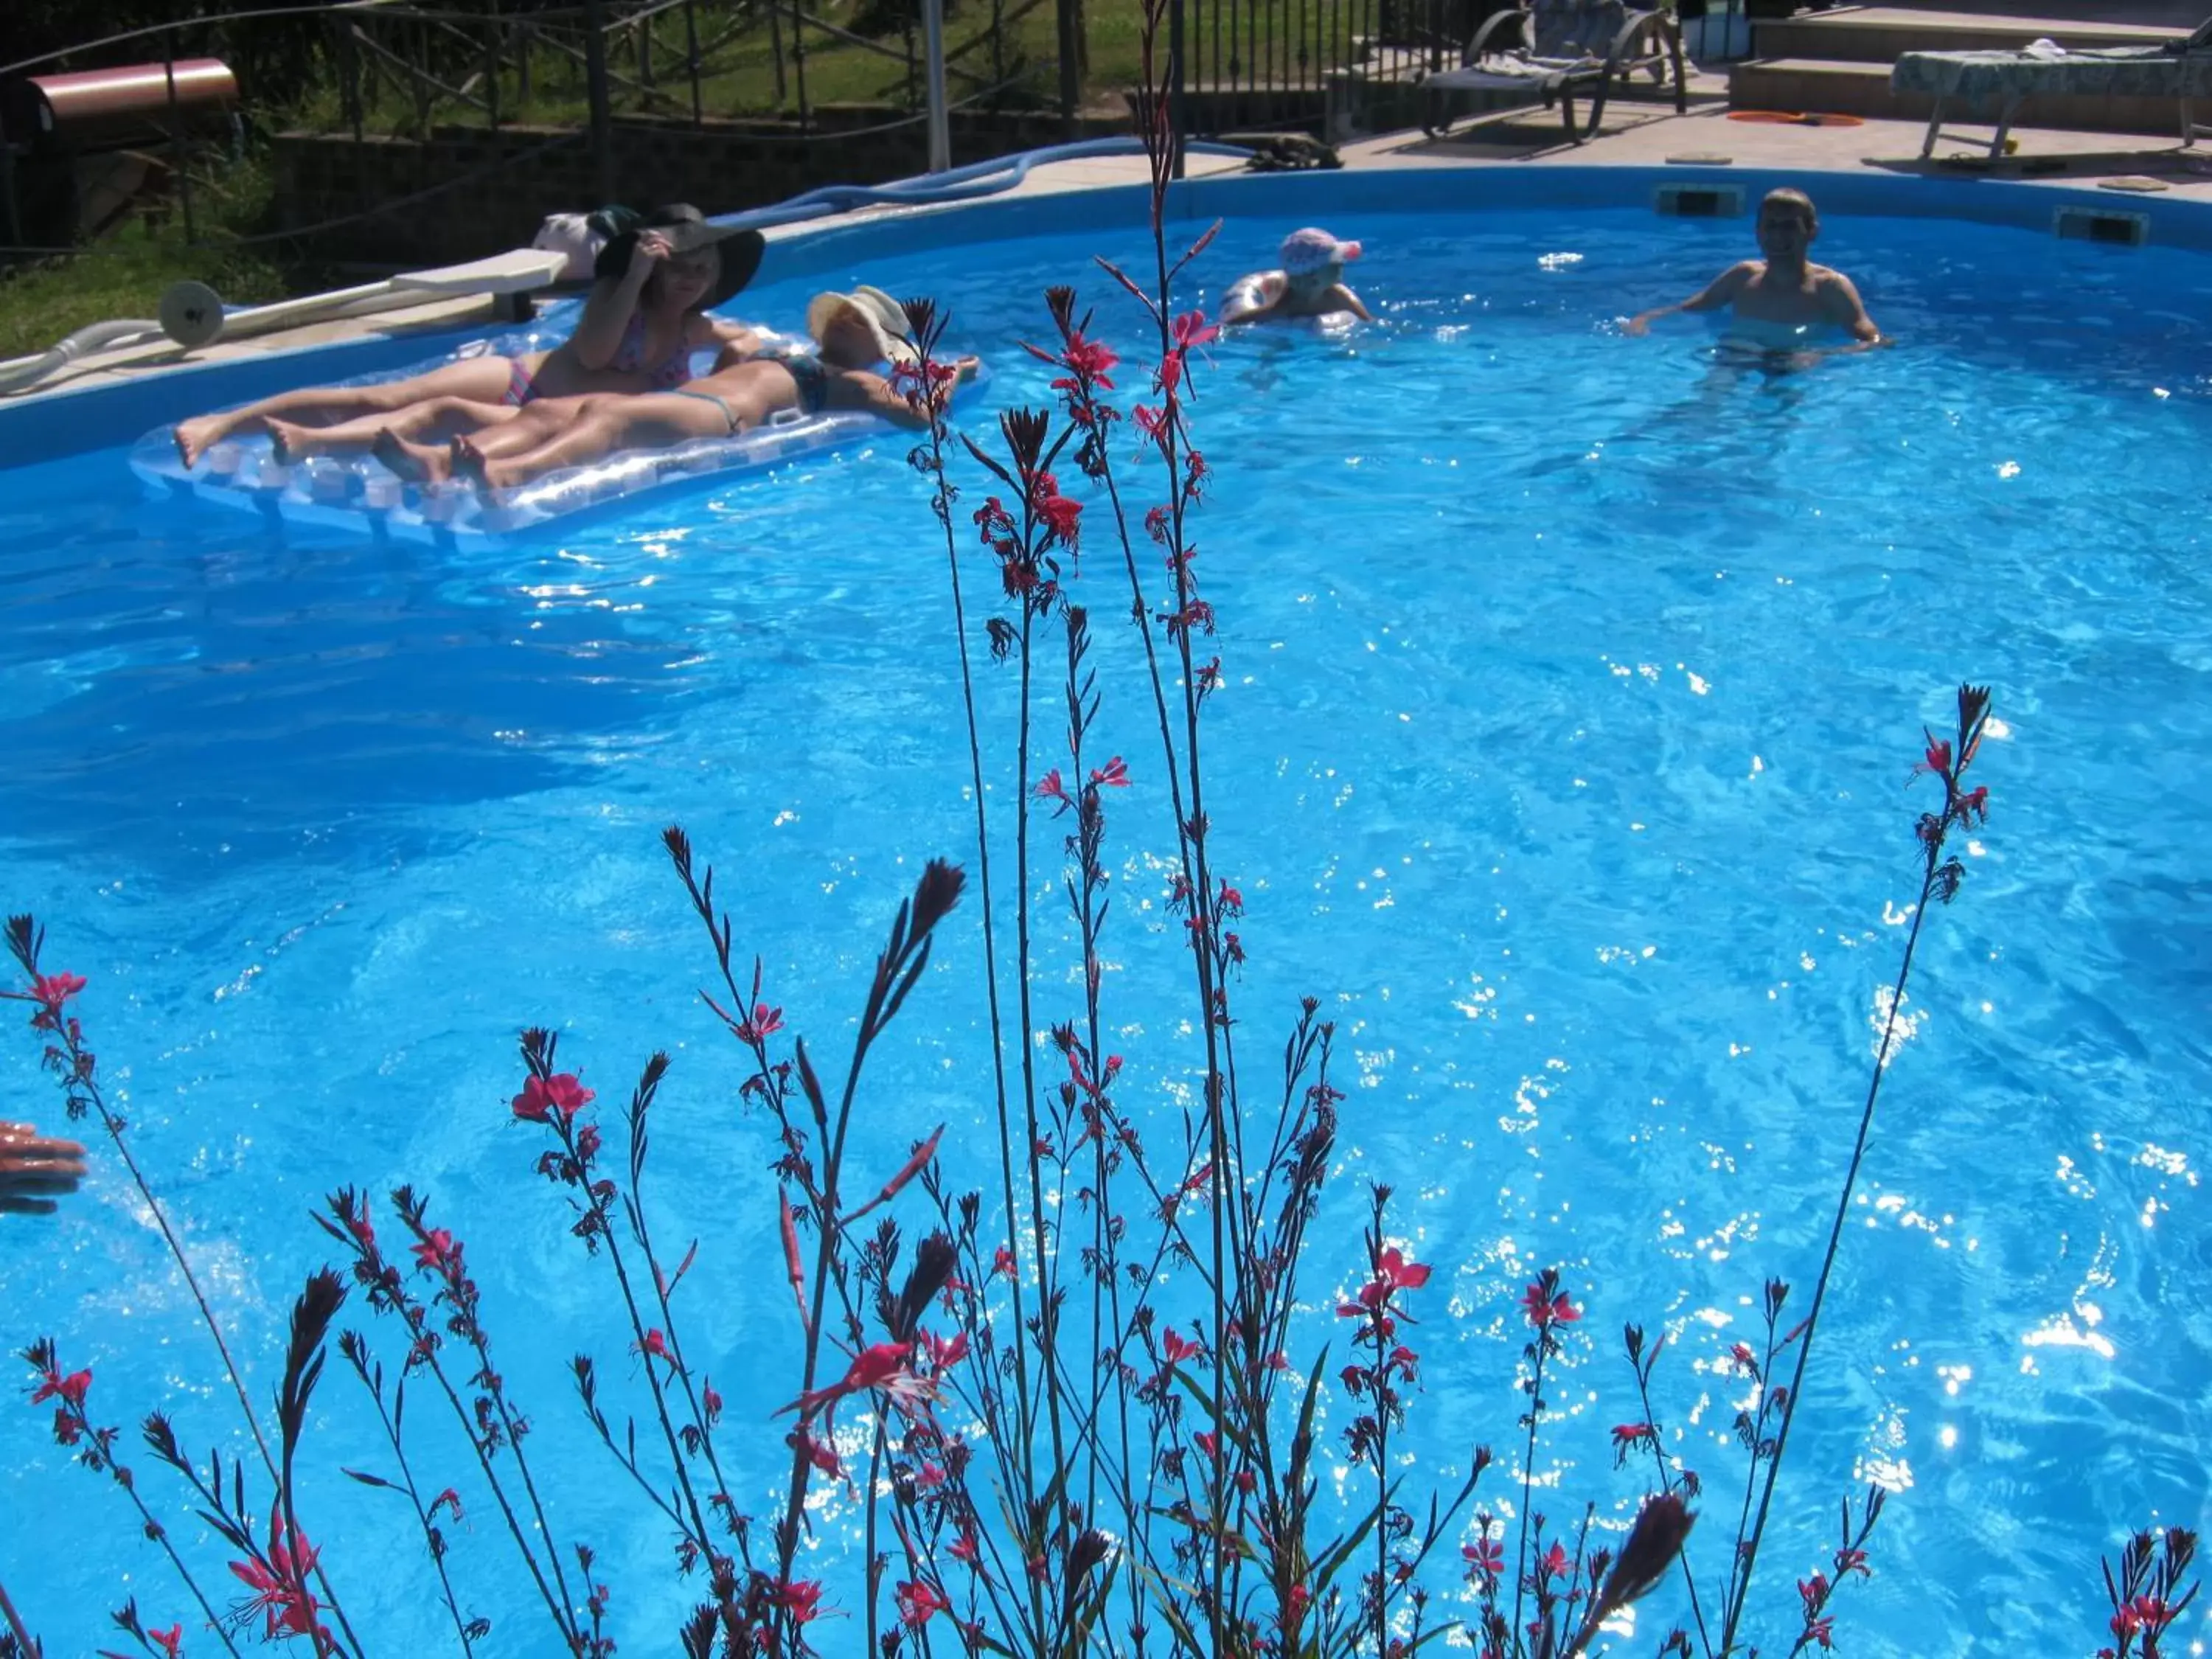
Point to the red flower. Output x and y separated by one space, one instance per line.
1295 1603
1210 1444
802 1599
1974 803
280 1588
1744 1359
51 991
761 1024
653 1345
438 1252
1090 358
1937 758
1554 1564
1112 775
918 1599
1401 1274
1049 787
1062 517
1543 1312
1486 1559
945 1354
446 1498
820 1453
965 1548
1191 329
71 1388
541 1096
1813 1591
1002 1261
711 1403
170 1641
1628 1436
1174 1348
587 1142
884 1366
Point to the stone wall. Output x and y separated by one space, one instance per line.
516 175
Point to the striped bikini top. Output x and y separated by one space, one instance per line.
671 371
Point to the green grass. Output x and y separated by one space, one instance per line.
123 275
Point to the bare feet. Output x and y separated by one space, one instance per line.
193 437
34 1169
421 464
289 442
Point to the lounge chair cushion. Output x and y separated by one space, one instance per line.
1573 37
2108 72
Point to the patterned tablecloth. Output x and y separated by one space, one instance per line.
2111 72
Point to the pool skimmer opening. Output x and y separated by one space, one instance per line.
2101 225
1700 201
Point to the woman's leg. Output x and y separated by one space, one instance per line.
434 417
482 379
644 421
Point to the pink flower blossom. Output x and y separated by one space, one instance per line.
918 1601
542 1097
71 1388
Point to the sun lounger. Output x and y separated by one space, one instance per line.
2181 71
1594 46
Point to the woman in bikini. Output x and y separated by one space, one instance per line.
646 316
853 333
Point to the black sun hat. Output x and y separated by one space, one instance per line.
687 230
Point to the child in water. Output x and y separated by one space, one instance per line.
1310 285
1783 301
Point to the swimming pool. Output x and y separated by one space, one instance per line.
1562 752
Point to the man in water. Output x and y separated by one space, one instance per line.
1784 303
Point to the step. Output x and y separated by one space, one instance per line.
1828 87
1882 34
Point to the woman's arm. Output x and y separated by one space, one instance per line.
613 303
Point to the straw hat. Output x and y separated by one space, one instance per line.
885 319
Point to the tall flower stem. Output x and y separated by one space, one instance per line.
1939 882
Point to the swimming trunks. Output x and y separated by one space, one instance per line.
807 373
665 375
728 414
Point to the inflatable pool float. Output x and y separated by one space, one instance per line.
1248 292
356 492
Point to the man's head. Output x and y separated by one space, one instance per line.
1787 222
1314 258
859 328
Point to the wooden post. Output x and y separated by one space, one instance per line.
799 59
493 29
691 56
595 90
1070 63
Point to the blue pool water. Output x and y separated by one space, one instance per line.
1573 685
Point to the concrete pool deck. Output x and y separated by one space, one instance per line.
1634 135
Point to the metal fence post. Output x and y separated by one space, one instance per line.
1178 109
595 91
940 129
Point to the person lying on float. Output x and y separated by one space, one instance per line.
653 287
854 334
1310 285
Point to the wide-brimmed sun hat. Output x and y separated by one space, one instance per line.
885 319
1310 249
686 230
